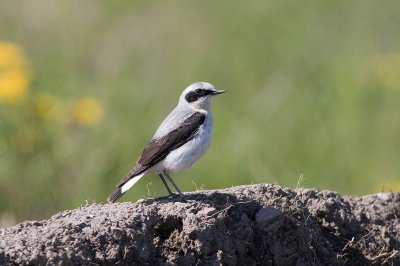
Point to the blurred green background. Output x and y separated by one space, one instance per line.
313 95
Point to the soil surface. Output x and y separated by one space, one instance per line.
246 225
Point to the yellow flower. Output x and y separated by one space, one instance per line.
87 112
13 85
11 56
14 73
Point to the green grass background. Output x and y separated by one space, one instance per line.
307 97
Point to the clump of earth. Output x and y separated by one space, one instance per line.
245 225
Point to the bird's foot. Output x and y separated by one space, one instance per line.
178 196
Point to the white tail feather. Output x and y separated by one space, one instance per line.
130 183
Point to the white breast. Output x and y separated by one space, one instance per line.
183 157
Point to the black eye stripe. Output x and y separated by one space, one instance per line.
192 96
196 94
203 92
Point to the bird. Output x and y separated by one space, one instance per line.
181 139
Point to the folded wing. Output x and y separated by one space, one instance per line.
159 148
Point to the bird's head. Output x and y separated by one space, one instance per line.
199 95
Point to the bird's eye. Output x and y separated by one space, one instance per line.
199 91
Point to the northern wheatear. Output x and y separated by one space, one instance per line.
182 138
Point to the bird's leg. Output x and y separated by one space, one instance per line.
173 184
165 184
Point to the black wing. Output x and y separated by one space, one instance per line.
158 149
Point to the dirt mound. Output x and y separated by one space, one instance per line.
246 225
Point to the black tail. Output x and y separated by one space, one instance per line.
115 195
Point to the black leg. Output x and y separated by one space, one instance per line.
165 184
173 184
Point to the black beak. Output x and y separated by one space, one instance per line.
218 92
